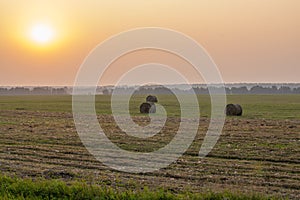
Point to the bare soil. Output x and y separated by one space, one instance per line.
260 156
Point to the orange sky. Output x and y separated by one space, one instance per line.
250 40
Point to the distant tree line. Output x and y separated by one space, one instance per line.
33 91
263 90
149 90
232 90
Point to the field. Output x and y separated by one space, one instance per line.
257 154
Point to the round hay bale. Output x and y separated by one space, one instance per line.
239 110
147 108
230 110
152 99
234 110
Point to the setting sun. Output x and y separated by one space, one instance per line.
42 33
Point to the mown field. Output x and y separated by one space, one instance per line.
257 154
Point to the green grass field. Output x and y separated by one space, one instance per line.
255 106
256 157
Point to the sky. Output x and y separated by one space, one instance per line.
45 42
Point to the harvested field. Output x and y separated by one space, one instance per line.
256 153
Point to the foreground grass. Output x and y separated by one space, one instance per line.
16 188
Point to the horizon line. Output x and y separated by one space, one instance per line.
131 85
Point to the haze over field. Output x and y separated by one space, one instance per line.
150 99
45 42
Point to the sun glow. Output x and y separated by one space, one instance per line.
42 34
